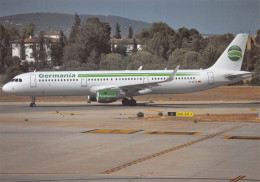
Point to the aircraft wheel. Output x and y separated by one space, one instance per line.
132 102
32 105
125 101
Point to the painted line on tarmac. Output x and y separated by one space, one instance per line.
168 150
237 178
111 131
242 137
171 133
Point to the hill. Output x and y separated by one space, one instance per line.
59 21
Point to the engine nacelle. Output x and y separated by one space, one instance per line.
91 98
107 96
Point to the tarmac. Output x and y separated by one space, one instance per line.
76 141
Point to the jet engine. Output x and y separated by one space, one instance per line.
107 96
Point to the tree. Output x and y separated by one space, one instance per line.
94 40
257 38
42 54
158 39
121 49
112 62
117 35
130 33
57 50
134 47
5 51
62 39
75 29
28 31
22 50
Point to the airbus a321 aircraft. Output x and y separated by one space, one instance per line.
110 86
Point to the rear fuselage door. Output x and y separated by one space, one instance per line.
211 78
33 80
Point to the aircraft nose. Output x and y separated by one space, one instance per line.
7 88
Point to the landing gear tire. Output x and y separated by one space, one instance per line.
132 102
32 105
125 101
33 102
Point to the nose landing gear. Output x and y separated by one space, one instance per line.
32 104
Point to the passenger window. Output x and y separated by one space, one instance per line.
20 80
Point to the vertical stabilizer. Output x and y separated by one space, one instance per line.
232 57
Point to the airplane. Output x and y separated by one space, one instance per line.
110 86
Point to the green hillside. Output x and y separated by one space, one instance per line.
59 21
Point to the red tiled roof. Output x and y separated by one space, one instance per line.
52 33
28 40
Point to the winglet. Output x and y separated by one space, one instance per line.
140 68
170 78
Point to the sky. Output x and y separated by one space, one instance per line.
207 16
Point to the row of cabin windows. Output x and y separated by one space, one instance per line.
58 80
106 79
158 78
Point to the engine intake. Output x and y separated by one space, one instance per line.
107 96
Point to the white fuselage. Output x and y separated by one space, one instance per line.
78 83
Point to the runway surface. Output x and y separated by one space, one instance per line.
81 106
101 143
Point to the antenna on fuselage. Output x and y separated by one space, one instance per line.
34 70
165 68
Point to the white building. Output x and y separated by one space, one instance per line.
28 45
128 43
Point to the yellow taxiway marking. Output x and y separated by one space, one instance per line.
111 131
243 137
171 133
168 150
253 109
237 178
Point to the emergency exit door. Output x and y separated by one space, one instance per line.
83 80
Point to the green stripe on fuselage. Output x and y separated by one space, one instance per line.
137 74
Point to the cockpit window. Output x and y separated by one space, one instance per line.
16 80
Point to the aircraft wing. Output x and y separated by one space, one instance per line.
132 88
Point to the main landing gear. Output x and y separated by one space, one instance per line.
127 102
33 102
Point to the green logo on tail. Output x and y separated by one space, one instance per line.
235 53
